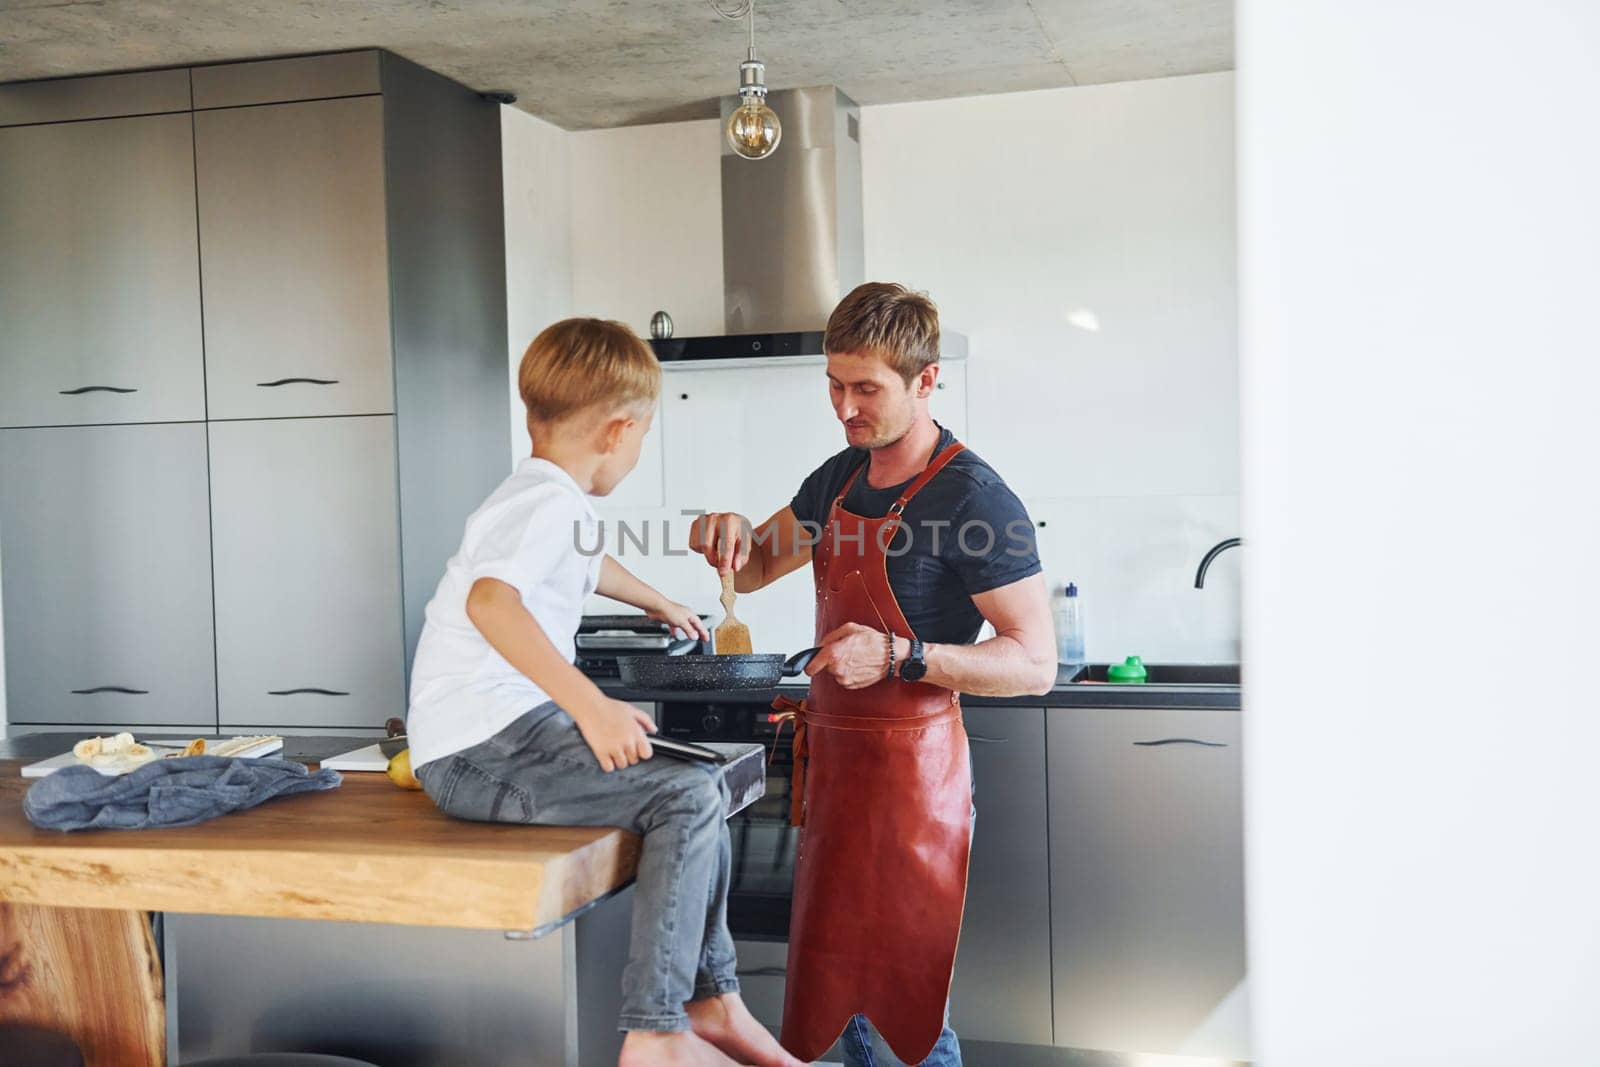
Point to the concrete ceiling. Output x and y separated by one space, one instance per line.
600 63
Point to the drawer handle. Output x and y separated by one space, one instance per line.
297 381
986 740
307 689
95 389
112 689
763 972
1183 741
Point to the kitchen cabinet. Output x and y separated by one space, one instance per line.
1001 990
340 218
744 438
99 273
307 567
1146 874
295 259
107 584
103 96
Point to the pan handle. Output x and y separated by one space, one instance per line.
682 645
796 663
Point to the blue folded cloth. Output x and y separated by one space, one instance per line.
180 791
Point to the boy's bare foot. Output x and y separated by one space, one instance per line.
648 1048
727 1023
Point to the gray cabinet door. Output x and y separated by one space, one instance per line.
306 545
294 257
1001 990
106 549
1146 874
99 273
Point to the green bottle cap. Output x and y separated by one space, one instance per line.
1129 672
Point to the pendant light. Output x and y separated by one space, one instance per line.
753 130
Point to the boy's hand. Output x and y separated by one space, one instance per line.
617 733
681 618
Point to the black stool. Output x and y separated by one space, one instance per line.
283 1059
22 1045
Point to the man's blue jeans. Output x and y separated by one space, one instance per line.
856 1042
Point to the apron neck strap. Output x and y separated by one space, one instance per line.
934 466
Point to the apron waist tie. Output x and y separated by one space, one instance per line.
796 712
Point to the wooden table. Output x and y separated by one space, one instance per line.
345 891
366 852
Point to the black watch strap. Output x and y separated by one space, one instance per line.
915 665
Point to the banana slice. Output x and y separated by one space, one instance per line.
106 751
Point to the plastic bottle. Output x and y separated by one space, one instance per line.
1069 627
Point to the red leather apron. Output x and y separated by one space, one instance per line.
883 793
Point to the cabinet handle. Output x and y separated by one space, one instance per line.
95 389
307 689
112 689
1184 741
764 972
986 740
297 381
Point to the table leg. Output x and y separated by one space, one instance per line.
90 973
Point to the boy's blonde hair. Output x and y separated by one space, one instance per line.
582 363
890 320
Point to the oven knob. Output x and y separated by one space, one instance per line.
712 721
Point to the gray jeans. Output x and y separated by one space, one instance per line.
539 770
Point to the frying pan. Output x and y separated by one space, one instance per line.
677 670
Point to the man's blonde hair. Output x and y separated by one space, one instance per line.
577 364
886 318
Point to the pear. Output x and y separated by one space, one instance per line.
399 770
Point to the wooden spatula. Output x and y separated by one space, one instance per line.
732 637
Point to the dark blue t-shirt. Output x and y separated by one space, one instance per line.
964 533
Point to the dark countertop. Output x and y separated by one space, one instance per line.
1083 694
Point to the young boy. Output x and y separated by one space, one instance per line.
504 728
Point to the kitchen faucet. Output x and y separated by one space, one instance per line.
1216 550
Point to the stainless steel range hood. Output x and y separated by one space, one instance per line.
791 223
791 235
791 232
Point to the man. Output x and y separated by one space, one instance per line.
914 542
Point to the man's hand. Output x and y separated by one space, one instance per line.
681 618
723 538
856 656
618 734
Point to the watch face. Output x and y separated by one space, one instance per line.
914 670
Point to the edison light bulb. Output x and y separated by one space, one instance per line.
753 129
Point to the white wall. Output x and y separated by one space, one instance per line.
1420 254
1031 217
536 170
647 225
1021 214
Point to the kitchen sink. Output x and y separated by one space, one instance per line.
1171 673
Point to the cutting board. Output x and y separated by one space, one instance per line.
67 759
370 758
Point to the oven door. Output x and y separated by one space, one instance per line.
764 844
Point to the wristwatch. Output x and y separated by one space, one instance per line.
915 665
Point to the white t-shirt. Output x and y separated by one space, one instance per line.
537 532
